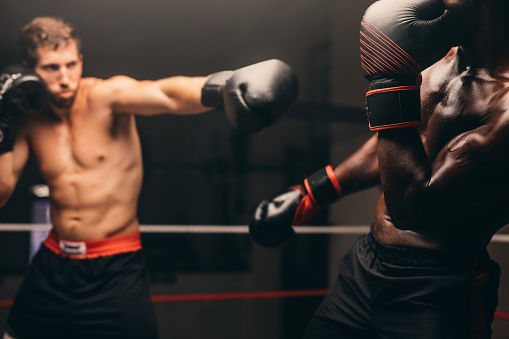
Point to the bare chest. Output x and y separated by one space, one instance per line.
83 144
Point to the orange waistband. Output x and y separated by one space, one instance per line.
93 248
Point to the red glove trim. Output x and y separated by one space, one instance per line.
398 125
394 89
334 180
310 194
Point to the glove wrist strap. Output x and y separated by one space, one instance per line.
323 186
394 107
212 90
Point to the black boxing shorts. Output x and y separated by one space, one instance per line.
388 292
90 289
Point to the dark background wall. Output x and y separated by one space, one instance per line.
152 39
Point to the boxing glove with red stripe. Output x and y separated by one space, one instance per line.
270 221
399 39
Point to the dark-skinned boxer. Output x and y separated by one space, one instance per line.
89 278
441 118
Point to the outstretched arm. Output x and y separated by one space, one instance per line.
359 171
271 220
177 95
253 97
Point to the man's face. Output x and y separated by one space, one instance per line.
61 70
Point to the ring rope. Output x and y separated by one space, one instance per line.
169 298
218 229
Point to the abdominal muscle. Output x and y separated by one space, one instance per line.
94 179
94 205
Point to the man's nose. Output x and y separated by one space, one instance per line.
64 78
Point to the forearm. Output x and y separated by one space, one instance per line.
11 167
8 177
359 171
183 94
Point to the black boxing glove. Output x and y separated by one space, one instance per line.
20 90
399 39
253 97
270 221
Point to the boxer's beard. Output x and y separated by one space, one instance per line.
62 103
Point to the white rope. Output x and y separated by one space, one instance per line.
245 230
218 229
24 227
500 238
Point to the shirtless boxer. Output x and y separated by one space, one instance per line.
89 279
440 156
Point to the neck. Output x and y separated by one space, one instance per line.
62 113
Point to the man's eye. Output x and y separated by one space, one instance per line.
50 68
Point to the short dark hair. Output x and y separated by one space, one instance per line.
50 32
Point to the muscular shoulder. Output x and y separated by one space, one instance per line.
108 87
469 102
476 109
437 76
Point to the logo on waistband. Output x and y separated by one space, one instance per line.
73 248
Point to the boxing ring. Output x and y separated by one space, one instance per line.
215 229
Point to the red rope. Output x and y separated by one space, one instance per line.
241 296
221 296
502 315
236 295
5 303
